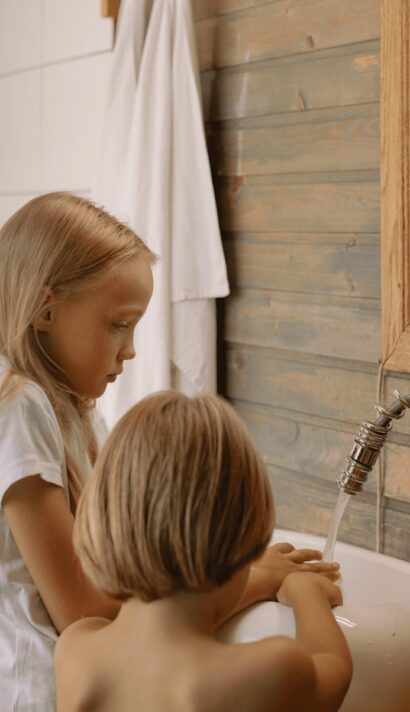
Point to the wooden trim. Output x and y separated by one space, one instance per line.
395 193
110 8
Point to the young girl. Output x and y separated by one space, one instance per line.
178 509
74 282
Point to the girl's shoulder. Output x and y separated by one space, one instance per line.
31 441
21 391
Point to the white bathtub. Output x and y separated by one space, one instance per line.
375 618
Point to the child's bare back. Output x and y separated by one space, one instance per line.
163 656
110 670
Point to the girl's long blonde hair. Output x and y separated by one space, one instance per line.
179 500
62 242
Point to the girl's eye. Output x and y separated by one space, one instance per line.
121 325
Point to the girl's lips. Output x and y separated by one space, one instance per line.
111 377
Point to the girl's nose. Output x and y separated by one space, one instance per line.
128 351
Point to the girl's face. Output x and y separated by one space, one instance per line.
91 336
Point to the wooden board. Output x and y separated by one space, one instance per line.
336 389
338 77
338 264
283 28
110 8
210 8
306 504
395 184
340 140
324 325
307 203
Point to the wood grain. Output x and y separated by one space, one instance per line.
338 264
329 326
110 8
338 77
341 140
336 389
325 203
395 186
283 28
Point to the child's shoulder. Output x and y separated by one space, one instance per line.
74 656
75 633
268 674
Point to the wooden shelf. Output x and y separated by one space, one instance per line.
110 8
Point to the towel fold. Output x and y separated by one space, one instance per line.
153 173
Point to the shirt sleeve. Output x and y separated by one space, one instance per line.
30 439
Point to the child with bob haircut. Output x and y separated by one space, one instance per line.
178 509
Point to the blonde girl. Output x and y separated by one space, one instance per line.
74 282
177 510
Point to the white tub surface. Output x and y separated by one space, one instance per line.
375 618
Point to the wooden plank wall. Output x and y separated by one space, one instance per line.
291 100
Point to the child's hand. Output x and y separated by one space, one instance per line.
280 560
299 584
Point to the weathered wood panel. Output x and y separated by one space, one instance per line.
312 448
336 389
397 470
341 142
330 326
319 448
345 264
338 77
352 204
396 531
210 8
292 100
306 504
283 28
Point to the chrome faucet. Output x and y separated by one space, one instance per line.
368 442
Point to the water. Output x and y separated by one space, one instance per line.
341 505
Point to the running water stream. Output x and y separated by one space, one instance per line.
340 507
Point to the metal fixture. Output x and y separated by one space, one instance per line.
368 442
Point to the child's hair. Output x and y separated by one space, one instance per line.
179 500
65 243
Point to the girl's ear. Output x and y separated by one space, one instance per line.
46 316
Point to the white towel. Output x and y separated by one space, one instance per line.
153 173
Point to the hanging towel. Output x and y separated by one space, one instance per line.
153 173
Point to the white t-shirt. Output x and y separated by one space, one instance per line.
30 443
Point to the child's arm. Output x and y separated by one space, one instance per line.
42 524
268 573
311 597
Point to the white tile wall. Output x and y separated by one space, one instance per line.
73 107
73 28
10 203
54 68
20 131
20 34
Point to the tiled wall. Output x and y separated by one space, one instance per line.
54 68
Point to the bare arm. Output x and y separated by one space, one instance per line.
268 573
42 524
311 598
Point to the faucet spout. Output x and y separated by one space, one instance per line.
369 440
